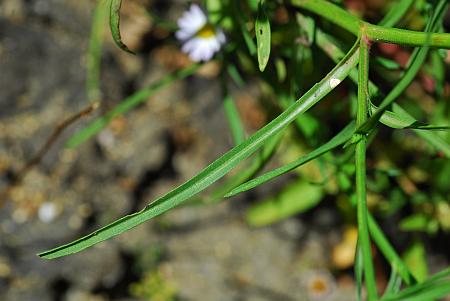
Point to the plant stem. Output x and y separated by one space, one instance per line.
324 42
342 18
360 162
94 53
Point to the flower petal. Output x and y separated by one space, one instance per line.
190 22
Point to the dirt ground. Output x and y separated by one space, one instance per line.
191 253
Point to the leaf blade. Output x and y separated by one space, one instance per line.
337 140
214 171
263 37
114 24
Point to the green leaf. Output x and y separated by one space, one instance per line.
416 61
237 13
215 170
333 50
434 287
280 67
114 24
337 140
400 119
234 119
387 63
394 283
414 258
396 12
359 270
263 42
389 252
293 199
127 104
416 222
247 172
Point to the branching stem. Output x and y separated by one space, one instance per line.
360 162
344 19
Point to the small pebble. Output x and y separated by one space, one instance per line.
47 212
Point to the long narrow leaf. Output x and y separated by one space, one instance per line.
247 172
114 24
127 104
217 169
436 282
263 40
417 59
337 140
332 49
396 12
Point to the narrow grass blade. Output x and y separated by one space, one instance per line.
437 291
235 75
234 120
400 119
394 283
415 259
438 283
241 22
127 104
389 252
359 271
337 140
232 114
396 12
114 24
247 172
432 138
217 169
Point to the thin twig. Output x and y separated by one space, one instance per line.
37 158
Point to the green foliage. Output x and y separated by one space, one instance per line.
154 287
295 198
263 36
293 52
114 24
414 258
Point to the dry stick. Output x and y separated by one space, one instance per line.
37 158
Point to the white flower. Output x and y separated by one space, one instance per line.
201 40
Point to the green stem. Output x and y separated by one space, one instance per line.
94 53
232 113
360 156
342 18
389 252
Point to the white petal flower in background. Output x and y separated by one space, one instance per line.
201 40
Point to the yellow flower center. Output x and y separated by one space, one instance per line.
207 31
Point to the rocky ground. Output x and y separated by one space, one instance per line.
191 253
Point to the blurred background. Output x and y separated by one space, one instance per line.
191 253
